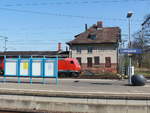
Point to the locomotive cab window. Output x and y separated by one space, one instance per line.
71 62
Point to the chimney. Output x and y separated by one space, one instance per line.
86 27
59 46
99 24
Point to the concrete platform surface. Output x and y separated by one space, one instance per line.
93 88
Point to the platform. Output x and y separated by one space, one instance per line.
74 95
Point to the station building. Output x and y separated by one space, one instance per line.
97 48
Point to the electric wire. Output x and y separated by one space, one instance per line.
62 15
29 42
71 2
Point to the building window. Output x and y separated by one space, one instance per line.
78 50
79 60
96 60
90 49
93 37
107 62
89 62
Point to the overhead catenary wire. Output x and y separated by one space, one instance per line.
52 14
71 2
41 42
61 15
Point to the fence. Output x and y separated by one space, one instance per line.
31 67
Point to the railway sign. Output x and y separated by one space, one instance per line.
130 51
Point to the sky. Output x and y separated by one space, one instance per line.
39 25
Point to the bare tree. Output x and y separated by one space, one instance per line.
138 43
142 41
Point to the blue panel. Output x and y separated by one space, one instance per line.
30 69
18 70
30 74
56 70
130 51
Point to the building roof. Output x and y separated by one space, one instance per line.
103 35
35 53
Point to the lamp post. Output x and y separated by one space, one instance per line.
129 15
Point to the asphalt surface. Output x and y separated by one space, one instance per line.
75 85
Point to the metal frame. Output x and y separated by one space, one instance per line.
30 74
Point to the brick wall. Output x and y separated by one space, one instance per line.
100 68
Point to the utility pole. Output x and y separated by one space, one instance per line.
5 42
